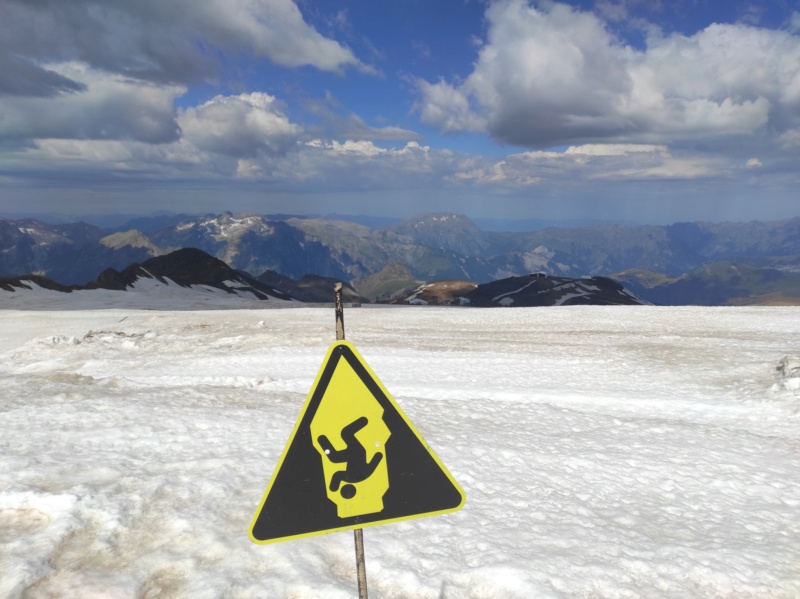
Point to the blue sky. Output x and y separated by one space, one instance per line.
618 110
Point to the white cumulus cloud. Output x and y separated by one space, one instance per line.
551 75
239 126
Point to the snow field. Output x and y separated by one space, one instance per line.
605 452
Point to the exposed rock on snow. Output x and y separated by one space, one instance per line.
789 366
789 384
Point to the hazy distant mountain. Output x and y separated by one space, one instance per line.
130 239
769 281
447 232
68 253
255 244
514 225
373 222
392 280
432 247
152 224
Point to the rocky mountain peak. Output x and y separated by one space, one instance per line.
438 220
445 231
228 226
187 267
133 238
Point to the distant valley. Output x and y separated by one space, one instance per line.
683 263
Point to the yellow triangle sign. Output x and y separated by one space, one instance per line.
353 460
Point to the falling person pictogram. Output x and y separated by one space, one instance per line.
354 455
351 433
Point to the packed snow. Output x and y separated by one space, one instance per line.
604 451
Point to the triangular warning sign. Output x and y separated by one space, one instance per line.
353 460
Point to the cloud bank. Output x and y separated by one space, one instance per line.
114 69
101 93
175 41
552 75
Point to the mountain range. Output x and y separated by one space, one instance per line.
196 271
682 263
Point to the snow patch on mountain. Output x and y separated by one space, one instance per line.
144 293
228 227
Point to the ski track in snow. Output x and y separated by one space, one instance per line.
631 452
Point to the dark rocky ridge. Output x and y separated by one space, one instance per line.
186 267
532 290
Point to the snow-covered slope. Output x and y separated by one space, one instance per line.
188 274
605 451
146 293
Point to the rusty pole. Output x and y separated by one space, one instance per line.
358 533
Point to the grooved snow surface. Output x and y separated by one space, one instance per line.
605 451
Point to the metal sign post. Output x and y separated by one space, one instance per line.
358 533
328 480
